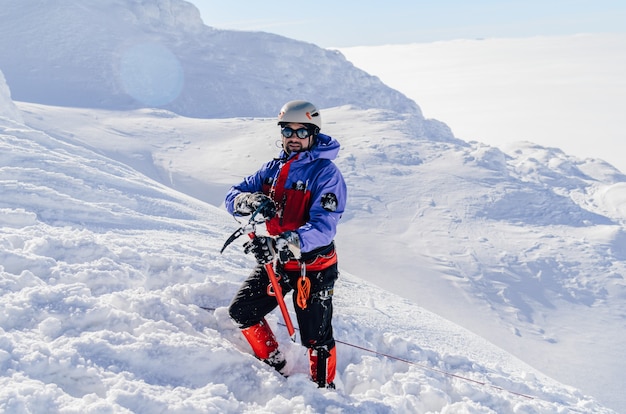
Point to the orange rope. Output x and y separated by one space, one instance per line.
304 290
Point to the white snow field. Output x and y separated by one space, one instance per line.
474 278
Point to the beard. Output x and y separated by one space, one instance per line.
296 145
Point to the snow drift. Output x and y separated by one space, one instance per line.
104 273
105 262
7 107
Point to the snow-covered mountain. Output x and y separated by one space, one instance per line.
132 53
104 261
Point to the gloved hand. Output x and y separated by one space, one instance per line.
262 247
247 203
288 246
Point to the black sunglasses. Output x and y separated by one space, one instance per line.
300 132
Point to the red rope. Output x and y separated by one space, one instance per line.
433 369
406 361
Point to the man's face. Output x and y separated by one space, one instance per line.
294 143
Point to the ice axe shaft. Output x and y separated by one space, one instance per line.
269 269
278 293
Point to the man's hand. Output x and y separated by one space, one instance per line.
288 246
247 203
262 247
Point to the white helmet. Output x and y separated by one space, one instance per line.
300 112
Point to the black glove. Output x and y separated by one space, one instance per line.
288 246
262 247
247 203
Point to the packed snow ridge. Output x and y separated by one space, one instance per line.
130 54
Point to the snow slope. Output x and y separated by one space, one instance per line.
524 249
523 245
104 272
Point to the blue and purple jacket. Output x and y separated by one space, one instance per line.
308 189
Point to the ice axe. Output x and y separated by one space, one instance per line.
277 291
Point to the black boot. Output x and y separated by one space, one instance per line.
277 361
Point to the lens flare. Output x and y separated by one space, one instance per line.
151 74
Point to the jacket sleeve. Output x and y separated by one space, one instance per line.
328 201
251 184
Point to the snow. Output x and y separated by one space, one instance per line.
493 283
7 107
166 42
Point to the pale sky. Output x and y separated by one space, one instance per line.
345 23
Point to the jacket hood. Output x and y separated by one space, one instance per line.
325 147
